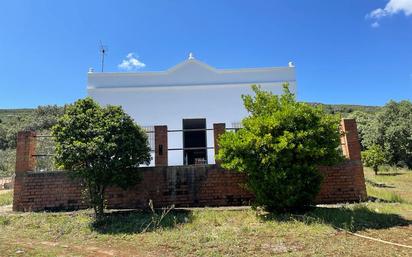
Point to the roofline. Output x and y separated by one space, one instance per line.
237 84
172 69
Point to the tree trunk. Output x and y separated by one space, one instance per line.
97 200
100 208
375 169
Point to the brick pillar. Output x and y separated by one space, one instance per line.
350 140
25 161
26 148
218 129
352 150
161 147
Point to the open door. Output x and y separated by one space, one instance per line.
194 137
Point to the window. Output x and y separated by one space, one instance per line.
194 141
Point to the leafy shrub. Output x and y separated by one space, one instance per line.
102 146
7 162
40 119
374 157
279 148
391 129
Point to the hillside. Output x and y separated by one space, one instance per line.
43 117
346 109
14 120
8 114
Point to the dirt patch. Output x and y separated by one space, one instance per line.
68 249
6 209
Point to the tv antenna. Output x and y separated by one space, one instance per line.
103 51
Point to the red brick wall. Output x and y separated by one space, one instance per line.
342 183
183 186
46 191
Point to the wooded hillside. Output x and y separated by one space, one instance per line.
43 118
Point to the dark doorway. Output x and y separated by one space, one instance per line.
195 137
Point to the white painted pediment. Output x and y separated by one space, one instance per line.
192 65
190 72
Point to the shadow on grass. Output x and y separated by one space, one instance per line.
376 184
353 219
390 174
131 222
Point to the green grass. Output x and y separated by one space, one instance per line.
391 184
6 197
221 232
384 195
211 232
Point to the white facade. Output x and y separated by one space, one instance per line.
191 89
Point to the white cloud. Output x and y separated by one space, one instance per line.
377 13
391 8
375 24
131 62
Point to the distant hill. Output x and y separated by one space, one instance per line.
43 117
11 114
346 109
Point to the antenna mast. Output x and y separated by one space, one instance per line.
103 50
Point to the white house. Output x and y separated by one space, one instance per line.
190 95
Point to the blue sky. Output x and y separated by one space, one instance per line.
351 52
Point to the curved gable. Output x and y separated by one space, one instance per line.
189 73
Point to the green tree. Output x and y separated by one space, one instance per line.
374 157
101 146
395 132
45 117
366 124
391 129
279 148
7 162
40 119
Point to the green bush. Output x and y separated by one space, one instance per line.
391 129
279 148
374 157
7 162
101 146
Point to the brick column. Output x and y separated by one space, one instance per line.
218 129
350 140
161 147
352 151
26 148
25 161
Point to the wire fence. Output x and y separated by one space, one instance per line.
45 146
45 149
150 131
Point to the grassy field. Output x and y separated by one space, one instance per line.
223 232
6 197
390 184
